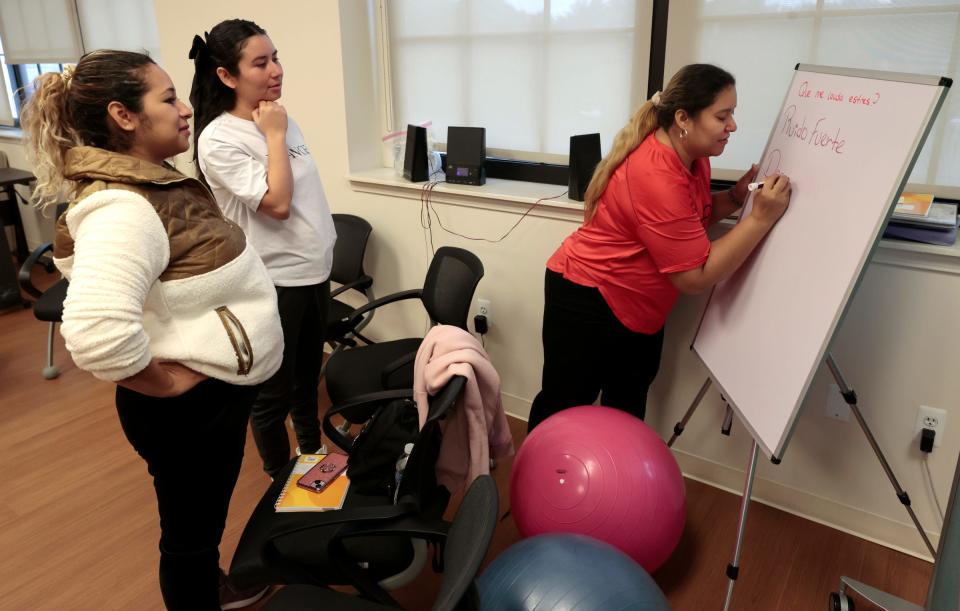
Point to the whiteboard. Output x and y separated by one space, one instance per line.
848 140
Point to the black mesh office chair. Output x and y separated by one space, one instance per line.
446 295
466 542
278 548
353 233
49 304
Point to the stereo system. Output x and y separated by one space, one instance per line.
466 153
584 157
415 159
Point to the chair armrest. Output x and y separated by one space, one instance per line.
413 526
23 276
443 401
364 400
357 315
361 284
394 366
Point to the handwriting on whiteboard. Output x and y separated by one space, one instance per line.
818 133
859 98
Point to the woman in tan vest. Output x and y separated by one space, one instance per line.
165 299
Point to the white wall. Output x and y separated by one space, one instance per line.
897 347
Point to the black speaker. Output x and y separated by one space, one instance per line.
415 159
466 154
584 157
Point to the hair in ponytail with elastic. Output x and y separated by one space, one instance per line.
692 88
221 47
70 109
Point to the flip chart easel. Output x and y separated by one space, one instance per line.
848 139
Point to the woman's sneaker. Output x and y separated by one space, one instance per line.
321 450
236 598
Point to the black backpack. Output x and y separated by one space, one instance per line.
372 463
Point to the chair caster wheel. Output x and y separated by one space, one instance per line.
51 372
841 602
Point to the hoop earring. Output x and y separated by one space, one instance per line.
683 133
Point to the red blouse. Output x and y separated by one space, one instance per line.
650 221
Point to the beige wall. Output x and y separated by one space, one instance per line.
897 347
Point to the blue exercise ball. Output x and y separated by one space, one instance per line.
566 572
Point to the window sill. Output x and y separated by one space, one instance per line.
13 134
510 196
517 197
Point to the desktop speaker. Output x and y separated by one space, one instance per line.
584 157
415 159
466 154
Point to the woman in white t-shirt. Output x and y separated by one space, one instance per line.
259 167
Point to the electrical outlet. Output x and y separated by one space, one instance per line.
931 418
837 407
483 307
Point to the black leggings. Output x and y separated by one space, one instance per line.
193 447
588 352
293 388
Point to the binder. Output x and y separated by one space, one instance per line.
294 498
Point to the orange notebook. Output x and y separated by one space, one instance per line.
295 498
914 204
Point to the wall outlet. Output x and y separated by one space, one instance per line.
483 307
931 418
837 407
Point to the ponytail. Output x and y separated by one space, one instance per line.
208 95
48 134
627 139
692 88
70 109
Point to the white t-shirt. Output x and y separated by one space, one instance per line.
297 251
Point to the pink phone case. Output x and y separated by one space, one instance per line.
323 473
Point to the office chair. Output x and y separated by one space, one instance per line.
446 295
49 304
353 233
465 542
287 548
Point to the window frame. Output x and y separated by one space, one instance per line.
513 164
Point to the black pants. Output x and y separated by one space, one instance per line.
193 446
588 352
293 389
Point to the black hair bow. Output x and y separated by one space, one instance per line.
198 47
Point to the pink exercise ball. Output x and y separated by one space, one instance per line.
603 473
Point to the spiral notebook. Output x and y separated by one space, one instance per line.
295 498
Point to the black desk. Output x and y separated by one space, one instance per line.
9 178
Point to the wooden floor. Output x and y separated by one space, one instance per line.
78 523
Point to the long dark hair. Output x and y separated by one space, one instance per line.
70 109
221 48
693 88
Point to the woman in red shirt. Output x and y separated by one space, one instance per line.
611 284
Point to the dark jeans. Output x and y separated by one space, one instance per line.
293 388
193 446
588 352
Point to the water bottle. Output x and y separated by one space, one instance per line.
401 465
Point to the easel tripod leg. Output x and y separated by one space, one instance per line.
678 427
850 397
733 569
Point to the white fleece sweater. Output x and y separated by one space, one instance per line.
118 314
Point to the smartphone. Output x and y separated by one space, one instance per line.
323 473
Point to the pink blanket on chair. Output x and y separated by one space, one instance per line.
476 429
